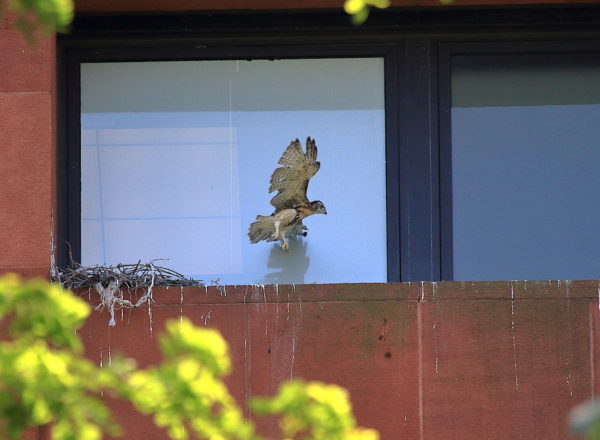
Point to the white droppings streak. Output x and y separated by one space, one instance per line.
247 364
206 317
422 297
289 300
109 353
293 352
435 349
101 365
568 379
599 296
248 367
266 312
247 357
150 317
277 303
181 305
514 339
296 323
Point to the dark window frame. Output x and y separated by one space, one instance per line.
71 204
417 47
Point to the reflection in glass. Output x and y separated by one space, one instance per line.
525 161
176 160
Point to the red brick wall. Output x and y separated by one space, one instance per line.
422 361
27 144
444 360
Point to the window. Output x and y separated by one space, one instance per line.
447 153
525 132
176 158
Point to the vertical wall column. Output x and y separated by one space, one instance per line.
27 145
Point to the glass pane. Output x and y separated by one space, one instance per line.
177 156
525 166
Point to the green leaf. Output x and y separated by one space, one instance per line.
44 379
361 16
41 16
207 345
354 6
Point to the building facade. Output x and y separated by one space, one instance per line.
459 147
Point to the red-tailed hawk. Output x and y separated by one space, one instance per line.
291 204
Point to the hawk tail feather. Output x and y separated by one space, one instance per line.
262 229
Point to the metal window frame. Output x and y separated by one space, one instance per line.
70 176
417 46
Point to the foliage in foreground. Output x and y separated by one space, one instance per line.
56 15
359 9
585 419
44 379
45 15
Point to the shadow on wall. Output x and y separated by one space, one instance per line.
293 264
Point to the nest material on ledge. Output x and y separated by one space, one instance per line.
130 276
109 282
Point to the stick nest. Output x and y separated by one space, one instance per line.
109 282
129 276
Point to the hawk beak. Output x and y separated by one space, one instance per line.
324 211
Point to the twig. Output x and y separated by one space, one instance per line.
109 281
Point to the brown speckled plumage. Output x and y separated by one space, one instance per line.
291 204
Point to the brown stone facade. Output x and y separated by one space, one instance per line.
444 360
27 143
450 360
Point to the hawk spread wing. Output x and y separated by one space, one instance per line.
291 179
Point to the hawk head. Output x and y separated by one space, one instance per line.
318 207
